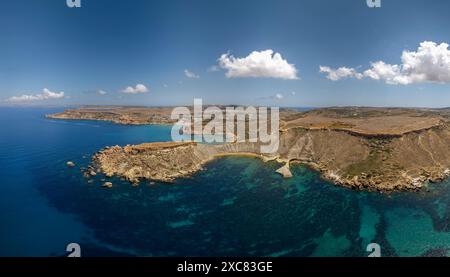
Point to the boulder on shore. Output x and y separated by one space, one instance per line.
285 171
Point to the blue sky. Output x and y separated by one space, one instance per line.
111 45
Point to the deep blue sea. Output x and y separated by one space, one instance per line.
236 207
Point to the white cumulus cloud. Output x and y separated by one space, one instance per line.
429 63
45 95
191 74
340 73
101 92
139 88
262 64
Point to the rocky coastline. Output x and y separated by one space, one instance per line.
363 167
365 149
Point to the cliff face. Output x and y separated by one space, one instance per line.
422 156
333 149
386 164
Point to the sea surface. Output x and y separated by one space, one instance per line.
236 207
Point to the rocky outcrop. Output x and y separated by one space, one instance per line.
163 161
107 185
285 171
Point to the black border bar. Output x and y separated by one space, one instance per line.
133 266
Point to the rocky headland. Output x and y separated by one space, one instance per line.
118 115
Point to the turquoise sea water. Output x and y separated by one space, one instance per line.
236 207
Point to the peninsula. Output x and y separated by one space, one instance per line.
126 115
376 149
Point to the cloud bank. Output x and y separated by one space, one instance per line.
45 95
430 63
263 64
139 88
